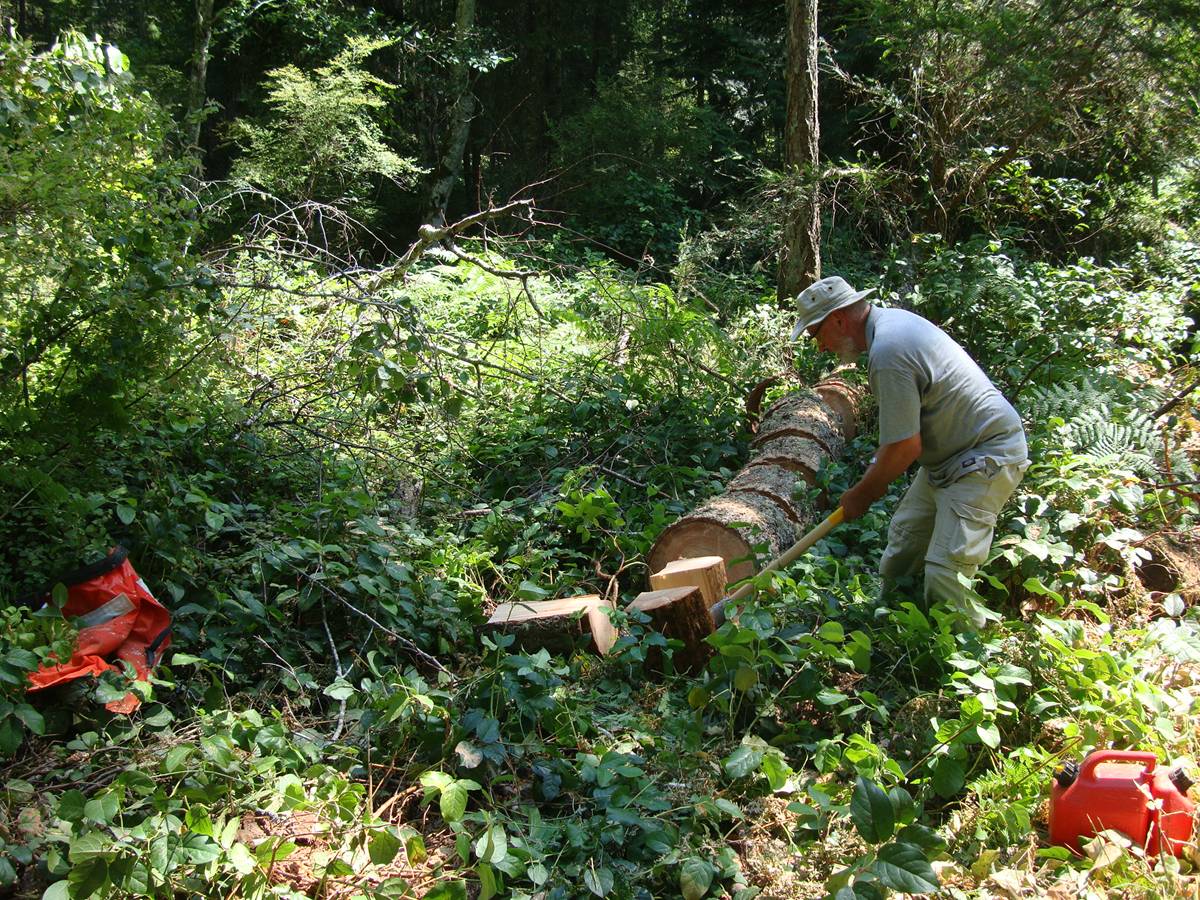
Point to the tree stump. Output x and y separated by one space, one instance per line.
681 613
844 399
727 526
705 572
557 625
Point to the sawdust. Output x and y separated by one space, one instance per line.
1173 567
774 865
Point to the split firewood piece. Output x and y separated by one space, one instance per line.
681 613
557 625
776 483
803 414
705 572
798 454
727 526
846 400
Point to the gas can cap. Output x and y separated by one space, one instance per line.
1179 777
1067 774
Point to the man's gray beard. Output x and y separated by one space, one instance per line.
846 351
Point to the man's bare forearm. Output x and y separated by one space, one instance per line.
891 461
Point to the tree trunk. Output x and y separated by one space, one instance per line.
462 110
728 526
803 415
800 255
802 431
198 81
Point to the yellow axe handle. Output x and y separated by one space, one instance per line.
788 557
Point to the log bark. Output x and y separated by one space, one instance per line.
800 455
727 526
776 483
705 572
803 414
559 626
680 613
844 399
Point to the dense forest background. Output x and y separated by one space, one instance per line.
353 320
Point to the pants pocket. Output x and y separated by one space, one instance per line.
971 534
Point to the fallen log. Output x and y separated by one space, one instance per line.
775 482
803 415
799 455
728 526
559 626
681 613
844 399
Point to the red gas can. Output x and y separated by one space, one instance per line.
1122 790
1176 812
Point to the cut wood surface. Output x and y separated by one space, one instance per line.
803 414
846 400
801 455
726 526
705 572
557 625
681 613
773 482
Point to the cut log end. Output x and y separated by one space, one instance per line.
705 572
728 526
681 613
558 626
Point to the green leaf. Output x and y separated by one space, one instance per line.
453 802
88 877
414 845
70 805
102 809
598 881
903 867
126 513
58 891
383 846
242 859
948 777
742 761
32 718
872 812
832 632
537 873
989 735
902 805
695 878
448 890
492 846
339 690
746 678
487 882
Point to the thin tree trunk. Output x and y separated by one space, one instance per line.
449 167
198 81
800 255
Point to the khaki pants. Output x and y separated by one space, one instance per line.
948 531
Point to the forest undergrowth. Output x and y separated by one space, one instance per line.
332 471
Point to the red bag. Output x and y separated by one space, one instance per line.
118 618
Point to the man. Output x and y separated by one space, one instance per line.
936 407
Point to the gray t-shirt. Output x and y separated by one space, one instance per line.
926 382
